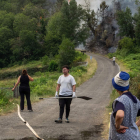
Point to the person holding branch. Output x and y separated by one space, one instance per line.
24 89
126 108
66 83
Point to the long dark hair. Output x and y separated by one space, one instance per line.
24 72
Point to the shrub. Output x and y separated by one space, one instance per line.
126 46
110 55
3 99
79 57
135 85
53 66
45 60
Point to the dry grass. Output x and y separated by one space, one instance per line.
91 69
122 66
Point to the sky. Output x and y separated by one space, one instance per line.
95 4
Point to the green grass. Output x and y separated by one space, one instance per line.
44 84
131 64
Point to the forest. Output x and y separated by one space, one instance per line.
32 29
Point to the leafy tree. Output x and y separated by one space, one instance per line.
126 46
66 52
137 26
26 46
71 17
34 11
5 52
125 22
66 23
53 38
23 22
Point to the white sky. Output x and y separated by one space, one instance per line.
95 4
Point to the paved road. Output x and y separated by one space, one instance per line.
86 116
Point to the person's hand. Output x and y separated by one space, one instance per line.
122 129
56 94
13 89
74 96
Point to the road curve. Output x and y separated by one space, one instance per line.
86 116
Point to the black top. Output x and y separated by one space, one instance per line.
24 81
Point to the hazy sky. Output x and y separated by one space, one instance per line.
95 4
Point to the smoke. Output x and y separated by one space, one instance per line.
95 4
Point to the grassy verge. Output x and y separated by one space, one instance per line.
134 88
113 96
44 85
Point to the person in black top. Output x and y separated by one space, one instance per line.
24 89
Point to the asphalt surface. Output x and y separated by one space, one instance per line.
86 117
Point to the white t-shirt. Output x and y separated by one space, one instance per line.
66 85
114 58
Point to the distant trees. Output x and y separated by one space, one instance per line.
126 23
66 52
65 27
22 30
28 31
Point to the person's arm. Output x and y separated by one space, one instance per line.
18 81
30 78
119 118
138 123
74 88
57 89
118 121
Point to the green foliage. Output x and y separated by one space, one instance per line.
45 60
52 44
137 26
126 46
53 65
28 31
79 57
22 30
3 99
64 24
71 18
125 22
110 55
33 11
5 52
135 85
66 52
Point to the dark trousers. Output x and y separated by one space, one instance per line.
25 91
62 103
114 63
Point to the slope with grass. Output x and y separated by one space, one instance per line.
44 83
129 63
86 117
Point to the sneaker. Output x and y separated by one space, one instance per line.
67 120
30 110
58 120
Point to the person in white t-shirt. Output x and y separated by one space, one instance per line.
66 86
114 60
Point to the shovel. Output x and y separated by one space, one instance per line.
81 97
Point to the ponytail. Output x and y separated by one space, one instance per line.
24 72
